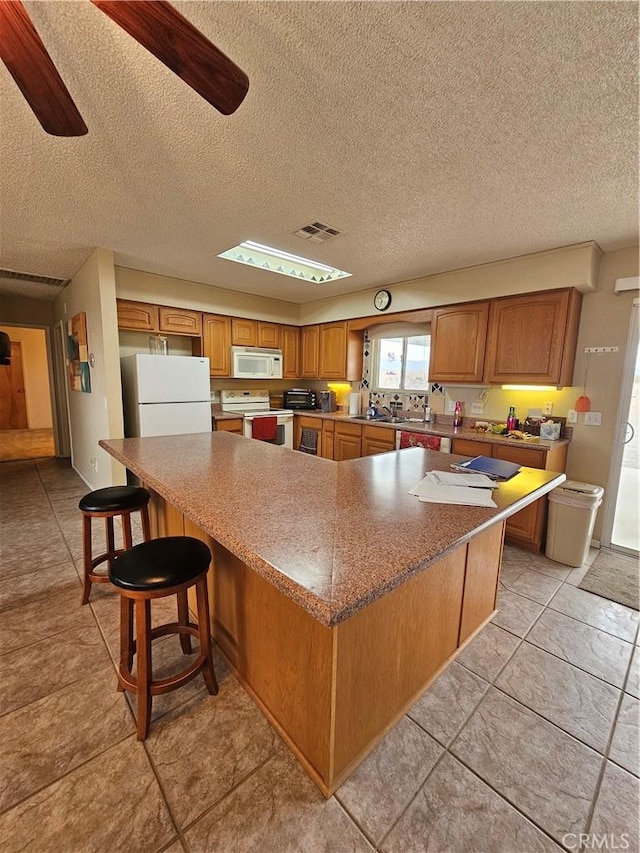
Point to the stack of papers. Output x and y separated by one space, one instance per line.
448 488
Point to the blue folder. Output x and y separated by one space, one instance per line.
498 469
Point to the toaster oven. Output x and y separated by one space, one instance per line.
300 398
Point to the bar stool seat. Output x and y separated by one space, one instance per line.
156 569
108 503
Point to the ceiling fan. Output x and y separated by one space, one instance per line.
155 24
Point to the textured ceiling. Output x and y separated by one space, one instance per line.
434 135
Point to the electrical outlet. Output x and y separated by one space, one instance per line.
477 408
593 418
572 416
451 406
547 408
94 463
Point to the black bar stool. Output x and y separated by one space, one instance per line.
156 569
109 503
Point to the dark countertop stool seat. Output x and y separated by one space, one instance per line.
109 503
156 569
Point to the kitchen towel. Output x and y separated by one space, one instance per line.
309 441
412 439
265 428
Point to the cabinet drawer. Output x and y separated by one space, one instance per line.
532 458
468 447
380 434
229 425
349 429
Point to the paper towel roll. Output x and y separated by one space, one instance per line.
354 403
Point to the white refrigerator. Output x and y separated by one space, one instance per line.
165 394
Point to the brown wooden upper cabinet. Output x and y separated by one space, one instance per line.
309 352
458 341
269 335
330 351
180 321
216 343
333 351
290 352
137 316
532 338
244 333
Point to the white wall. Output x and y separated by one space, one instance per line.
572 266
97 415
163 290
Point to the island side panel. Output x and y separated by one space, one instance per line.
280 652
484 555
388 653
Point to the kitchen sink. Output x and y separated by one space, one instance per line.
385 419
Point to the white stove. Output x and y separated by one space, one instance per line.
255 404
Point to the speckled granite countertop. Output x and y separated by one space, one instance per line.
334 537
225 416
442 429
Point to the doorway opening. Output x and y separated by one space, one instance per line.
622 523
26 412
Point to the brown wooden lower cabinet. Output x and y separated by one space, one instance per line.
347 443
334 692
229 425
328 438
377 440
526 528
301 422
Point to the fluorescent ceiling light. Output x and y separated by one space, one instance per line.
274 260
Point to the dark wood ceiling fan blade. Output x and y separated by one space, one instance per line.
170 37
27 60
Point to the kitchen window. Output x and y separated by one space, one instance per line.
400 362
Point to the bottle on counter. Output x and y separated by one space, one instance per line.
457 415
512 422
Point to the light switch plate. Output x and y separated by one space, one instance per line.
547 408
477 409
572 416
593 418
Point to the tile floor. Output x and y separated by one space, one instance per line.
528 740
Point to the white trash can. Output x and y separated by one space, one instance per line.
572 515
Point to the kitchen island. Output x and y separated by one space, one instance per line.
336 596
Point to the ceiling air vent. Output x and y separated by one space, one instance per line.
12 275
31 286
317 232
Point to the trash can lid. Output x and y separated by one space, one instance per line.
586 488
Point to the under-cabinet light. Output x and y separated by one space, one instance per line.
284 263
530 387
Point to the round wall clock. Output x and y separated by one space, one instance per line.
382 300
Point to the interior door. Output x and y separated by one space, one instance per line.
13 406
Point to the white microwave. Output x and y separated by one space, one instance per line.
256 363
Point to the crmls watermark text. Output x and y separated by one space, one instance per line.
590 841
